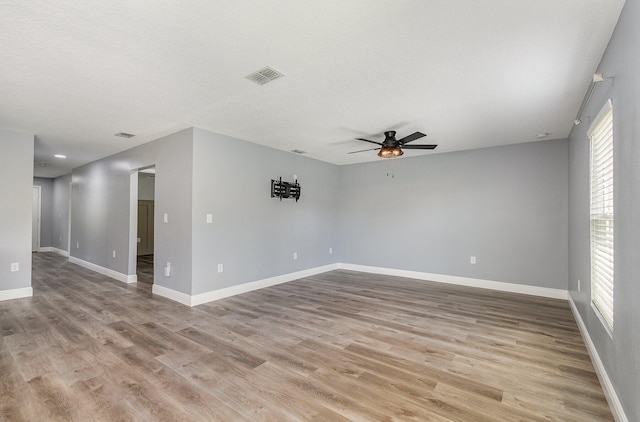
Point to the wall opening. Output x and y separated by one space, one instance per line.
146 226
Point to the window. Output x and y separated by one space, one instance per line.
601 212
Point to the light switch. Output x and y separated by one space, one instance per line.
209 218
166 217
15 266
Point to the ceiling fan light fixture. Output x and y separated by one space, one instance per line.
390 152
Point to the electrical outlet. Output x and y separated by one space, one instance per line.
295 256
167 270
166 217
220 268
209 218
77 245
15 266
114 253
472 260
330 251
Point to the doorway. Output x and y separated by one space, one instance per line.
36 210
145 226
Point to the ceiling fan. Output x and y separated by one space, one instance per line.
392 147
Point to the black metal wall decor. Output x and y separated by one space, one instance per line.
280 189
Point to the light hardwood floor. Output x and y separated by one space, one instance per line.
337 346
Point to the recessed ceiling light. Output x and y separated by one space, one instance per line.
60 156
542 135
125 135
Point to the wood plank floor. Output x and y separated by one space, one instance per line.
334 347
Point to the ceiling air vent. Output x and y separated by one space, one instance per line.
298 151
125 135
264 75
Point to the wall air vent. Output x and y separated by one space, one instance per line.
264 75
298 151
125 135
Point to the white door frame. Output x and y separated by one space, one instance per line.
133 224
69 218
35 237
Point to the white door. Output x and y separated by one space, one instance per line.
35 220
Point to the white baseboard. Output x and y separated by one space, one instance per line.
605 381
462 281
174 295
256 285
16 293
104 271
52 249
194 300
199 299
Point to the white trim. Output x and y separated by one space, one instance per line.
605 381
36 247
608 106
133 222
54 250
462 281
180 297
16 293
213 295
61 252
132 278
258 284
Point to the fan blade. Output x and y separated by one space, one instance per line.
412 137
366 140
363 150
419 146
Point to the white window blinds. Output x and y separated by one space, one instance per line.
601 214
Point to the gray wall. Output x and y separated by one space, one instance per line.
16 162
60 215
253 235
505 205
620 354
46 210
100 208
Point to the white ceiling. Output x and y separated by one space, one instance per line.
467 73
